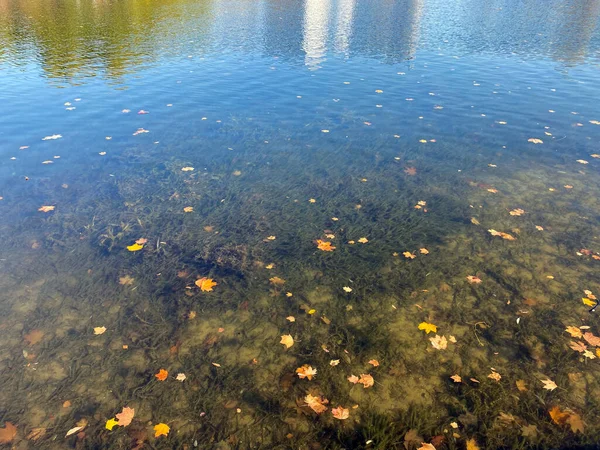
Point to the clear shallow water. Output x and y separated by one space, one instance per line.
367 108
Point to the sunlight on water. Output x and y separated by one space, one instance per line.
336 224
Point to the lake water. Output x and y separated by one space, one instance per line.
398 201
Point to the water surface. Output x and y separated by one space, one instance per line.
347 172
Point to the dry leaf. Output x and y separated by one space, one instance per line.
578 346
456 378
205 284
287 340
33 337
126 280
161 429
353 379
340 413
334 362
409 255
316 403
277 281
46 208
472 445
495 376
425 446
188 209
521 385
366 380
99 330
306 371
410 171
427 327
535 141
549 384
290 318
8 433
574 331
162 375
591 339
473 279
325 246
36 433
126 416
374 363
180 377
439 342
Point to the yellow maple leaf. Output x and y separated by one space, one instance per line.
135 247
205 284
161 429
586 301
472 445
287 340
574 331
111 423
428 327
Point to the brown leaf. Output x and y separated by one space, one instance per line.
412 437
521 385
472 445
36 433
8 433
575 422
591 339
33 337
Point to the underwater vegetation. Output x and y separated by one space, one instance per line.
218 235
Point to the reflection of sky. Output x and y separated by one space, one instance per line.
316 22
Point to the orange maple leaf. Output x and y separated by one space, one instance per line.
8 433
205 284
162 374
410 171
325 246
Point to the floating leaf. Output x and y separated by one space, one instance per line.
161 429
535 141
472 445
366 380
439 342
588 302
591 339
8 433
287 340
46 208
111 423
427 327
374 362
456 378
205 284
340 413
426 446
306 371
473 279
574 331
99 330
162 375
325 246
549 384
578 346
316 403
125 416
180 377
135 247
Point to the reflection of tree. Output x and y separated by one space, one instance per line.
73 38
